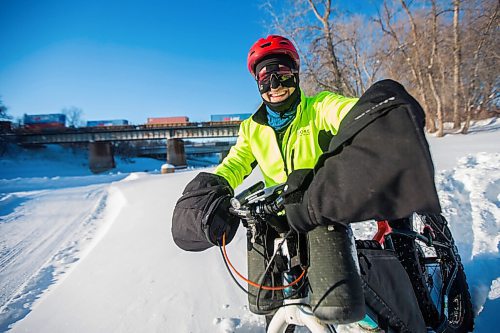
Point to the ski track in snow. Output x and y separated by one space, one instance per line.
470 199
38 250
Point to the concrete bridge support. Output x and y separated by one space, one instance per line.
101 156
175 153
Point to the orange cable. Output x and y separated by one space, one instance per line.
256 285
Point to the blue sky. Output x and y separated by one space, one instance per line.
129 59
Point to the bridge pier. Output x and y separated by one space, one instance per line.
101 156
176 154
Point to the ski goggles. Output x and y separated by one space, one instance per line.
275 76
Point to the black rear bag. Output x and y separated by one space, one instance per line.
377 167
388 292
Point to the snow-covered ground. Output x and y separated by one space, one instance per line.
94 253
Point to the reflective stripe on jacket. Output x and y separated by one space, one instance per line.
306 138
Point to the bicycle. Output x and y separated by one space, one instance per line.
423 245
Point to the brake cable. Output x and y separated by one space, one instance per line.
252 283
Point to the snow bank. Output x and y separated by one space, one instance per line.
84 253
45 237
470 198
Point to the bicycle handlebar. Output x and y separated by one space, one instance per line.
257 201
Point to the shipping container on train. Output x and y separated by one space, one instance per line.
167 120
106 123
5 126
230 117
44 121
44 118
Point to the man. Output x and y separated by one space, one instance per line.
343 159
289 131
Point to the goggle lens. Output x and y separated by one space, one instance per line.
277 74
282 74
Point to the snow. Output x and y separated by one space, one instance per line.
94 253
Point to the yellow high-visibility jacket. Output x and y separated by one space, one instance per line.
306 138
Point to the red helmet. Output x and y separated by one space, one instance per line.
272 44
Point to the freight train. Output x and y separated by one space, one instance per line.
57 122
215 119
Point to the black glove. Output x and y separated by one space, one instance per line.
296 205
278 223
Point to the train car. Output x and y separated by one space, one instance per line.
5 126
107 123
167 121
42 122
229 117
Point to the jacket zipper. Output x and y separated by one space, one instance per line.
292 152
285 140
283 154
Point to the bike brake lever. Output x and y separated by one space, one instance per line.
264 193
241 199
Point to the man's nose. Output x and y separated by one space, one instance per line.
275 82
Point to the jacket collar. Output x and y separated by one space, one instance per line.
260 116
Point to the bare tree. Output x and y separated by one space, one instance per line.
361 56
431 68
335 54
456 63
3 116
73 116
443 51
411 52
473 90
3 111
339 82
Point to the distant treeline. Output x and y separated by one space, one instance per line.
444 52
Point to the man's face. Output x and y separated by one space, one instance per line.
276 83
278 95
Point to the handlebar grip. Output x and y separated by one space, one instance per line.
274 207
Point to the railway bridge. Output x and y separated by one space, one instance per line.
100 139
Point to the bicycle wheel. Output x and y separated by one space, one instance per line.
410 255
458 307
437 274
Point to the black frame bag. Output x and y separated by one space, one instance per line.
388 291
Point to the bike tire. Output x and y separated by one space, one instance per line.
461 316
409 255
460 312
422 270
